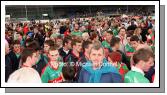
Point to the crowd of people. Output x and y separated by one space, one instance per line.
81 50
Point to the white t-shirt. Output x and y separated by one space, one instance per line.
25 75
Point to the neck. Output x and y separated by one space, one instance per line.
108 41
27 64
65 48
75 52
138 66
54 62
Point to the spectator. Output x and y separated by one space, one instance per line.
97 71
115 59
26 74
68 72
52 73
143 61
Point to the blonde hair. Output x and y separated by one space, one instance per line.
136 31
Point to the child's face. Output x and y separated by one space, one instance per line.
117 45
108 36
128 39
34 58
46 48
17 48
134 44
78 47
147 65
53 55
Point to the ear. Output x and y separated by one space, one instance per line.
28 59
141 63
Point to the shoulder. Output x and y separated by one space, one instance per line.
45 69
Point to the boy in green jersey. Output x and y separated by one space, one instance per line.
143 61
52 73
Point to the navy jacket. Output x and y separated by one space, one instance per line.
109 77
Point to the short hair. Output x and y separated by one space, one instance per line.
34 44
110 32
66 40
142 54
75 41
49 42
96 46
68 71
134 38
115 56
20 33
26 53
16 42
122 28
93 35
128 35
86 44
114 41
55 47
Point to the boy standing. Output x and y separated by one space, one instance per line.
52 73
143 61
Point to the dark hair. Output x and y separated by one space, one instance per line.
34 44
20 33
110 32
54 47
66 40
128 35
49 42
122 28
142 54
68 72
134 38
114 41
75 41
26 53
16 42
86 44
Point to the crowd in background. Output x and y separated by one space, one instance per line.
81 50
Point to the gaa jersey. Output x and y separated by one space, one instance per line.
76 33
51 75
135 76
129 51
123 69
105 44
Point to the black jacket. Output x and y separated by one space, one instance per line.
63 54
8 67
41 64
14 61
73 59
